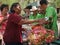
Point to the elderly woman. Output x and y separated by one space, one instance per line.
13 32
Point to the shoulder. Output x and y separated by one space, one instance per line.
39 14
13 15
50 8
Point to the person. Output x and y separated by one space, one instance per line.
35 15
13 32
33 12
27 11
50 15
3 18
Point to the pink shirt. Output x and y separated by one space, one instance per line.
3 25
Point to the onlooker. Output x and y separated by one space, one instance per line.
3 16
3 19
27 11
34 14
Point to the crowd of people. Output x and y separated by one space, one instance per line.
11 21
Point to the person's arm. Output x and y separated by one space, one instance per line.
27 21
2 20
18 20
55 20
49 14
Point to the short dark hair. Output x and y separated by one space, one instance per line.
43 2
13 5
29 7
3 6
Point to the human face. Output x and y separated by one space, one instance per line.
27 11
43 6
18 9
5 10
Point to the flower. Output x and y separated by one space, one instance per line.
39 34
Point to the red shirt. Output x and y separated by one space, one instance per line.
13 30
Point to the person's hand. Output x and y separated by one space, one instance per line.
2 20
41 21
5 19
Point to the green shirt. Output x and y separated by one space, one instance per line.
50 12
37 16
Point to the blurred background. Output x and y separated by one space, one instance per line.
24 3
54 3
